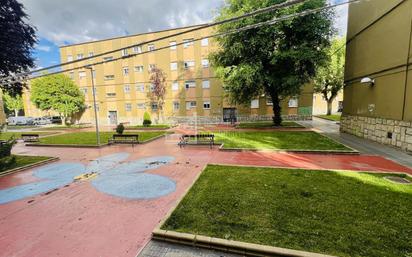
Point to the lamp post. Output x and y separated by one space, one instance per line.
94 104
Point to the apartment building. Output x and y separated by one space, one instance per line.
378 77
123 86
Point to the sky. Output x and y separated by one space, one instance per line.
61 22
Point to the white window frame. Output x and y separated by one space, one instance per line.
126 89
91 54
190 105
70 58
140 87
173 45
139 68
108 58
82 74
205 63
154 104
141 106
176 106
173 66
151 47
205 103
254 104
190 84
269 101
128 107
189 64
137 49
71 75
175 86
293 102
205 84
187 42
79 56
204 42
152 66
111 94
125 71
125 52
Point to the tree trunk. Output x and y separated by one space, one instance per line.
329 111
16 113
277 117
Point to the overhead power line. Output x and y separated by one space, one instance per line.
204 26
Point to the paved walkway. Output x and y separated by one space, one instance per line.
364 146
82 219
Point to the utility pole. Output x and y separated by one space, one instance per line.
94 104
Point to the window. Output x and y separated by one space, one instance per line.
152 66
109 77
189 84
269 101
128 107
204 42
205 84
140 87
206 105
254 104
172 45
71 75
151 88
127 89
141 106
125 71
187 42
138 68
108 58
124 52
111 94
151 47
173 66
82 74
189 64
205 63
84 90
293 102
91 54
137 49
154 106
69 58
175 86
190 105
79 56
176 106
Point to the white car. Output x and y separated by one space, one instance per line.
41 121
20 120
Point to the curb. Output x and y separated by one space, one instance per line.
29 166
231 246
326 152
154 138
68 146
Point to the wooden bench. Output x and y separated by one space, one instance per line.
198 139
124 139
30 137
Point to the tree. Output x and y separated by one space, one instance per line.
275 60
158 90
17 40
329 78
14 104
57 93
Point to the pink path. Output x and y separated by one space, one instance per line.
77 220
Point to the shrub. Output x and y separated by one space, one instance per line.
146 119
120 128
5 148
7 162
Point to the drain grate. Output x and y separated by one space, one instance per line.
398 180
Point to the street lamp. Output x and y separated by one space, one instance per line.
94 104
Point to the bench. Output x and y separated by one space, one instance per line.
198 139
124 139
30 137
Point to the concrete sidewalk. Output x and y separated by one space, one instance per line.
364 146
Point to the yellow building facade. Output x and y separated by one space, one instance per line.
123 86
379 50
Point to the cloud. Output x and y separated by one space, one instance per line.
43 48
62 21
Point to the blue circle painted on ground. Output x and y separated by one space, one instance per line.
135 186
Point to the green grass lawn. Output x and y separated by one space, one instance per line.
17 135
157 126
21 126
267 124
337 213
89 138
278 140
22 160
62 127
333 117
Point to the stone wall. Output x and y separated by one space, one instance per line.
385 131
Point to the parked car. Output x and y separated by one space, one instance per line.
20 120
41 121
55 119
